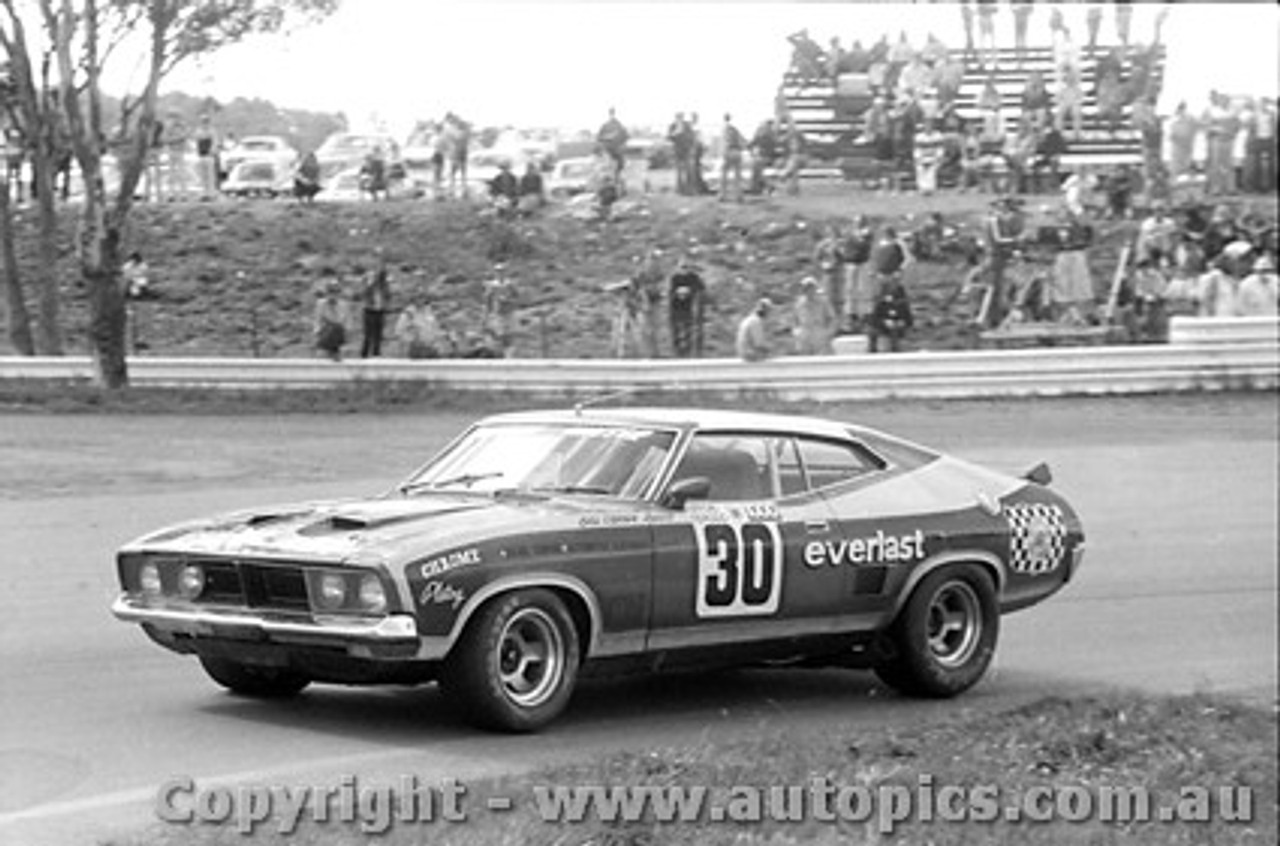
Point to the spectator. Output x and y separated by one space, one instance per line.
686 300
1070 104
1093 22
1183 129
732 161
1221 126
928 157
753 334
136 282
1257 294
1124 20
1260 166
681 138
612 140
764 154
306 180
698 149
806 56
989 106
532 192
207 157
891 316
504 189
376 300
1157 236
1147 122
795 146
1119 190
829 257
329 324
1147 297
373 174
499 310
987 33
1219 289
1004 233
816 324
418 332
1071 289
889 256
858 288
647 285
136 276
1021 15
972 173
966 13
622 327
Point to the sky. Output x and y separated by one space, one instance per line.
564 64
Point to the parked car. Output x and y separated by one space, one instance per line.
259 179
344 150
348 186
572 176
541 545
269 148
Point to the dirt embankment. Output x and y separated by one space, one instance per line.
238 278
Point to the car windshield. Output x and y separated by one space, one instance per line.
618 461
258 146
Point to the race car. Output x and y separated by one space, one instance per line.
538 547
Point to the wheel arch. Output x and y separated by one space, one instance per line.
579 599
981 558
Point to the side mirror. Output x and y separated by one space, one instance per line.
695 487
1040 474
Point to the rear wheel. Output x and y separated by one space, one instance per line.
515 666
945 637
252 680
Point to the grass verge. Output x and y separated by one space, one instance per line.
1114 742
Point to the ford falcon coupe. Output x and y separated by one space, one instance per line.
541 546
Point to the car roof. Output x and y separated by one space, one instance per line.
702 419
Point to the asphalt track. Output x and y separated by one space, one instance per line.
1178 593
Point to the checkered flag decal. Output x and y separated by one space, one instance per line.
1036 535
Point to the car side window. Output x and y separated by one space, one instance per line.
737 466
829 463
790 471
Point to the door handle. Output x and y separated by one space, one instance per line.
817 526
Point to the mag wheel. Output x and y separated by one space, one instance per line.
946 635
251 680
516 664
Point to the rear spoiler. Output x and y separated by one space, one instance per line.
1040 474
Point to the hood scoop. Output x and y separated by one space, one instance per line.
359 517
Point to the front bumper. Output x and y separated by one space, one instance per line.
393 635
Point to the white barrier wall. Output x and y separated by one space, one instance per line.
1201 360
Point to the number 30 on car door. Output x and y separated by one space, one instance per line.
739 569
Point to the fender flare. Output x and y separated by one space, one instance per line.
554 581
982 558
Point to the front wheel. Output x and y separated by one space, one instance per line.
945 637
256 681
515 666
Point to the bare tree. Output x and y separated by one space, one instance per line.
82 36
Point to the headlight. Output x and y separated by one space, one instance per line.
372 595
149 579
333 591
190 581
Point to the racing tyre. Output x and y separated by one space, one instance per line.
251 680
945 637
516 664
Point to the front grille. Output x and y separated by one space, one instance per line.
248 584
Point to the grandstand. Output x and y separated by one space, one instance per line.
832 118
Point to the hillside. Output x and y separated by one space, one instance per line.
235 277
